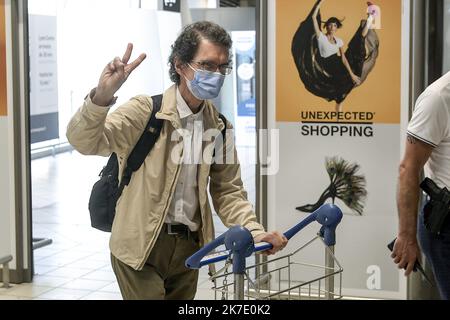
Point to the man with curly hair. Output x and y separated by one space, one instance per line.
163 215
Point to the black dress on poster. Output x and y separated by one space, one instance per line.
328 77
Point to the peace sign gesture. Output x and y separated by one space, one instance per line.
114 76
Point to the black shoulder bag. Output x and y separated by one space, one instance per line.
106 191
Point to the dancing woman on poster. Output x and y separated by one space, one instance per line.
322 65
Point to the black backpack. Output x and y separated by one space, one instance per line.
106 191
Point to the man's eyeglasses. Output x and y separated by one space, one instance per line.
209 66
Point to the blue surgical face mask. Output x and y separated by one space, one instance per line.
206 84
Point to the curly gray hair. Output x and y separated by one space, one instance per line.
187 43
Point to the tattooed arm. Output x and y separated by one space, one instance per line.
406 249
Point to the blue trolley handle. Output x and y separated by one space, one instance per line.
328 215
237 239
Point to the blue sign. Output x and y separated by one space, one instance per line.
247 108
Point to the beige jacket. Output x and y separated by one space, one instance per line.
143 206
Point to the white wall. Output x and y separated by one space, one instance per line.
5 190
49 7
203 4
92 32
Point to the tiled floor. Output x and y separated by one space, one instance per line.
77 263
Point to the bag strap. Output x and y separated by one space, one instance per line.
222 117
224 132
144 145
148 140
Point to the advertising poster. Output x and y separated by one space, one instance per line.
244 46
338 96
3 101
44 79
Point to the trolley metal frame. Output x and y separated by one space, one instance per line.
278 282
239 246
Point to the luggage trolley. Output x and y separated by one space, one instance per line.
274 278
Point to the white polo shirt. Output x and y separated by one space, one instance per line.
431 124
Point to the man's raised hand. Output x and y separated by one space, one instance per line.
114 76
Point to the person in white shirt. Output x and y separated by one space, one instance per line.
428 148
324 68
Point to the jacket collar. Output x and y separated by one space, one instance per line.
184 111
170 113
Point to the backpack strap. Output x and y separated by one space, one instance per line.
148 138
144 145
224 133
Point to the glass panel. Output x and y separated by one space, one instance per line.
78 37
59 84
70 43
